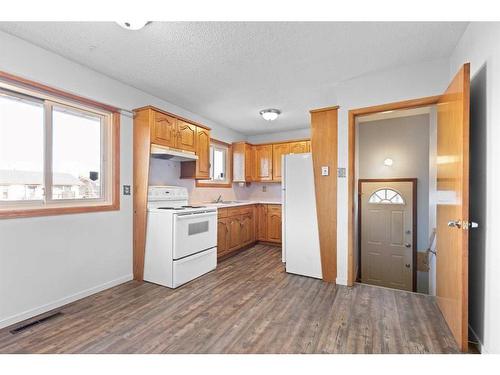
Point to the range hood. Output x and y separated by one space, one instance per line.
161 152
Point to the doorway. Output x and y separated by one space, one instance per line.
387 232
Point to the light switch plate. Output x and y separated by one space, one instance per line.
325 171
341 172
126 189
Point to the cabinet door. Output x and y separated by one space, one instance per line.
239 161
274 223
247 229
250 163
203 152
186 136
264 162
299 147
164 130
262 222
279 150
222 236
234 227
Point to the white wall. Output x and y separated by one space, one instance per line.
480 46
406 141
408 82
46 262
281 136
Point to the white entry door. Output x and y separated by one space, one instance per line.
387 233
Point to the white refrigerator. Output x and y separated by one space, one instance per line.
300 224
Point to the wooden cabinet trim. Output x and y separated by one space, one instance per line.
156 109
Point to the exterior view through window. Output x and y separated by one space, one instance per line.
218 162
53 154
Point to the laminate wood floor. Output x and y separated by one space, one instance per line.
248 305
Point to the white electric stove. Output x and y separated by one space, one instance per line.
181 240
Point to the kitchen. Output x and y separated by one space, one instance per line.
174 187
242 183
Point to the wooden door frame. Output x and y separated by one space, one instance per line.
353 114
414 217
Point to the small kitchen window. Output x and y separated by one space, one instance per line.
57 154
220 166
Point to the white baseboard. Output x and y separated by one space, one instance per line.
481 348
61 302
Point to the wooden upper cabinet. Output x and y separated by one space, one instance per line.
274 223
239 161
299 147
203 152
279 150
249 163
186 136
264 162
164 130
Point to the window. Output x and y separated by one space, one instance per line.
220 162
56 155
386 196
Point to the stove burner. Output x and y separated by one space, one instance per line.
193 206
171 208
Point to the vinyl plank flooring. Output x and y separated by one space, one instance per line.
247 305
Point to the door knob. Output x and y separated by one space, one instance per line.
408 245
455 224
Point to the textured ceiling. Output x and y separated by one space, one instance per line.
227 71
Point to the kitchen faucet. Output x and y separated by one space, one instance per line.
219 199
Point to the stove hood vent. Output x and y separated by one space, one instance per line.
166 153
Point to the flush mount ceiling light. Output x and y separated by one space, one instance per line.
270 114
388 162
133 25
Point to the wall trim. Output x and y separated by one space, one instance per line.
481 347
63 301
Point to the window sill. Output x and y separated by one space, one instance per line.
11 213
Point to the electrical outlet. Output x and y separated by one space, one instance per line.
264 188
126 189
341 172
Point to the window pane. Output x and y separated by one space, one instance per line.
219 164
21 149
76 158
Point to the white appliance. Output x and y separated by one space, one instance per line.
300 224
181 240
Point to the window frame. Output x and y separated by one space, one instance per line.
110 152
228 182
387 201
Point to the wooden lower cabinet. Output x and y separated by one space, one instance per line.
274 223
262 222
239 227
222 237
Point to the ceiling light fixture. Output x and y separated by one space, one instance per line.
388 162
133 25
270 114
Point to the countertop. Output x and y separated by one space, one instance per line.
237 203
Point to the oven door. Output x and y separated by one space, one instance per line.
194 232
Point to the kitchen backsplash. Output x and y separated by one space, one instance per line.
165 172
